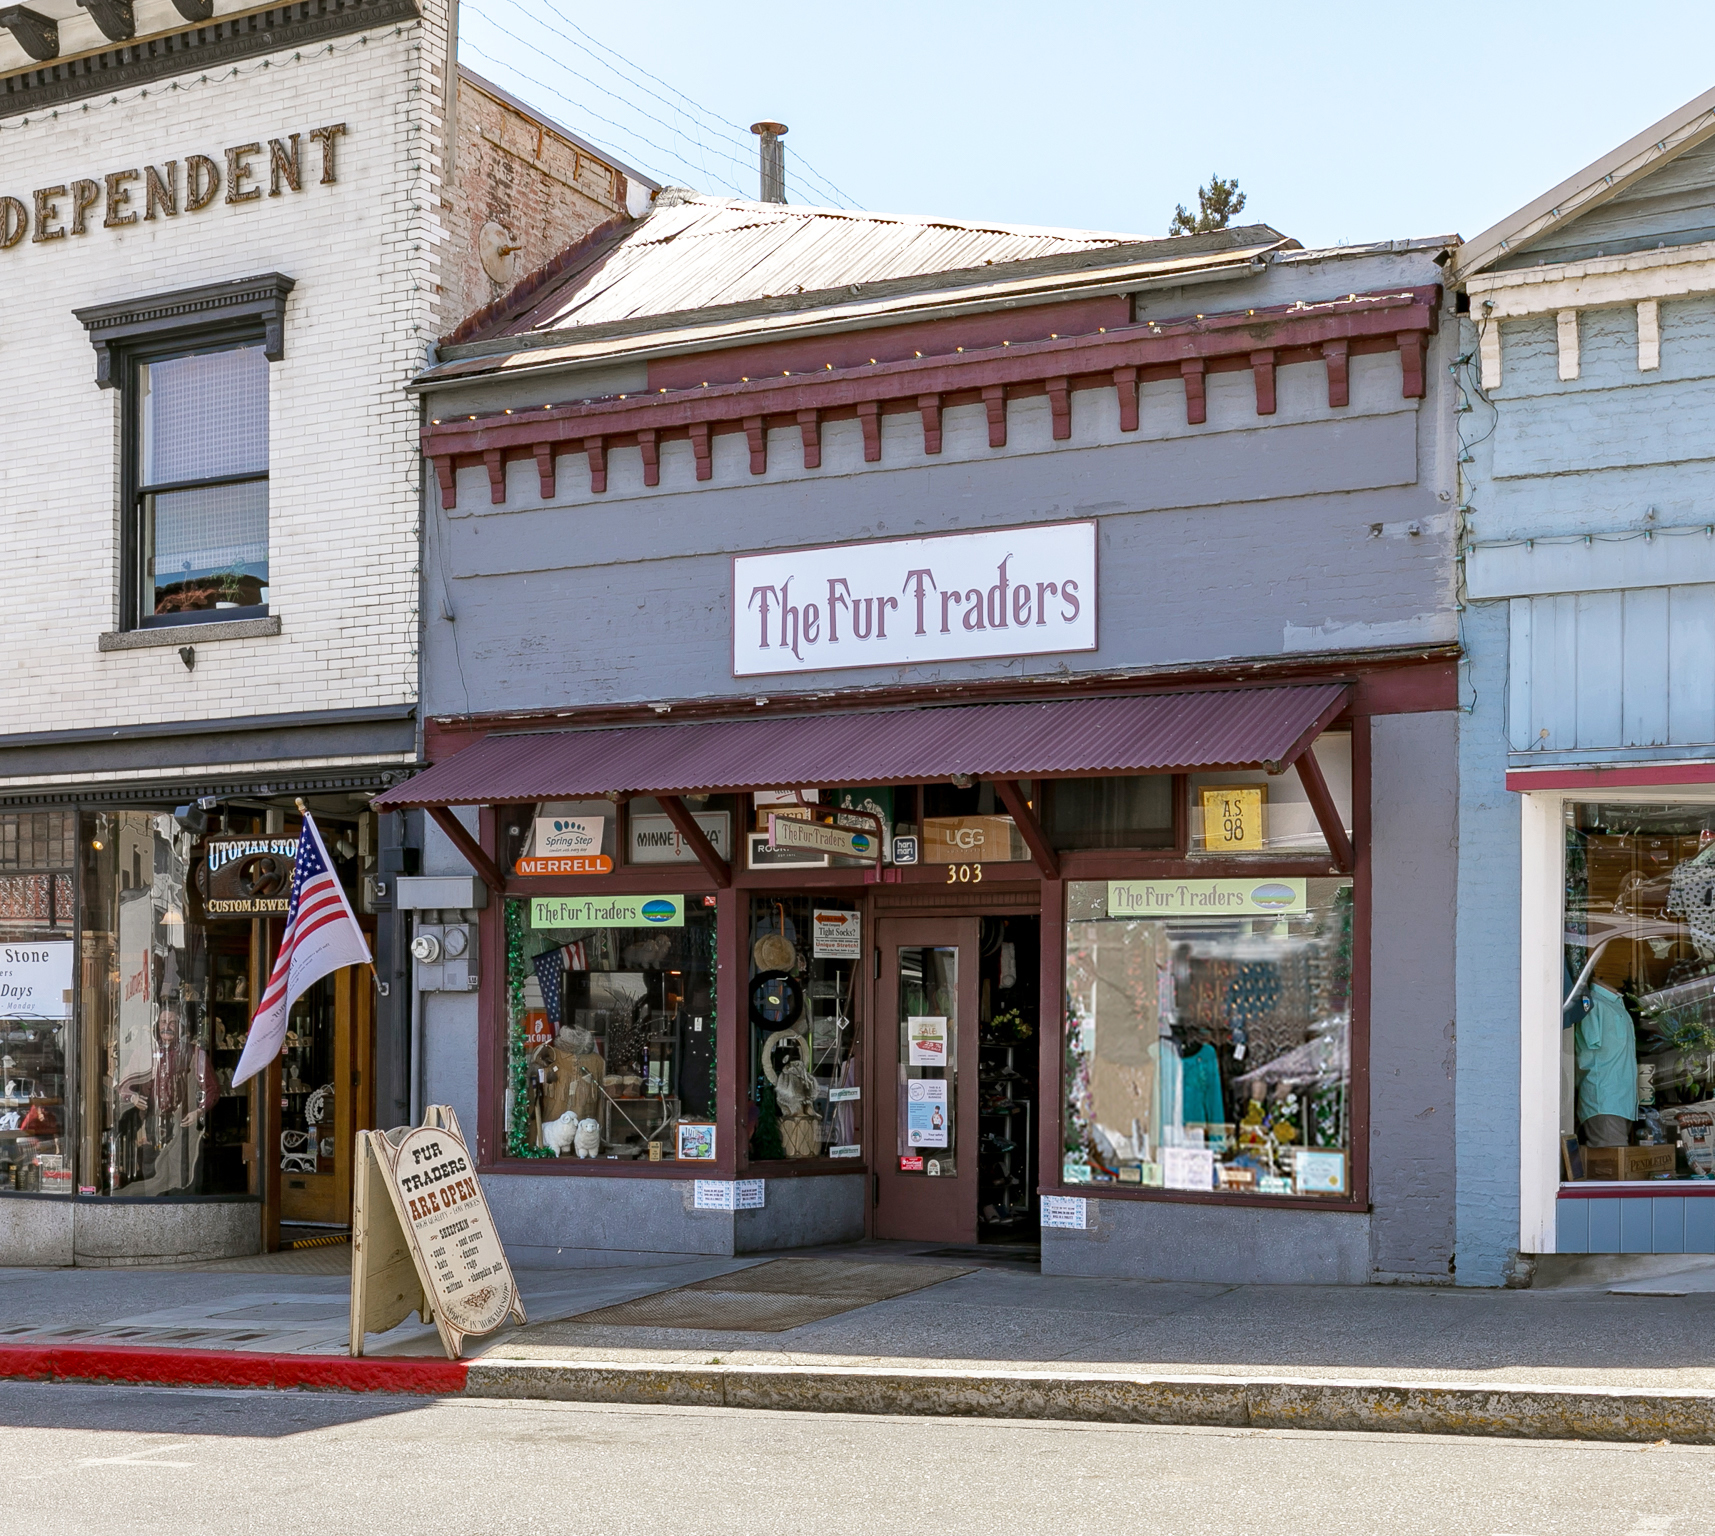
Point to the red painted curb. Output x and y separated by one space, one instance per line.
143 1366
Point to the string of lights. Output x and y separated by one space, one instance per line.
723 127
217 77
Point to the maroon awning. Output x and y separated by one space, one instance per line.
1152 733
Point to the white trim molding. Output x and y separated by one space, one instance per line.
1641 279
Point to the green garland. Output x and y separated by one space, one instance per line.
518 1143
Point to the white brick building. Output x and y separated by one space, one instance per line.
222 237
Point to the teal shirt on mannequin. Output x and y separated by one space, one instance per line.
1607 1049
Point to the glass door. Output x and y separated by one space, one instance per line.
926 1131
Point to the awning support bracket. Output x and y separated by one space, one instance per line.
696 840
1029 828
1327 813
468 846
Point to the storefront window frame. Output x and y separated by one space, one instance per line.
1542 880
1009 880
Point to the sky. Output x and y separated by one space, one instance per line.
1342 123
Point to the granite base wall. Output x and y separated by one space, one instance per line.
555 1222
1230 1245
117 1234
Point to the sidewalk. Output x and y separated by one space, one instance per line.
984 1333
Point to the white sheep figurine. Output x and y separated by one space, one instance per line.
559 1135
587 1142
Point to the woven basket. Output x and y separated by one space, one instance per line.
798 1135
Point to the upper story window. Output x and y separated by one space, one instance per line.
199 484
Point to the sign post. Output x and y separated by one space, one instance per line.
423 1240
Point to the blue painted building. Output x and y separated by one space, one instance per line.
1586 426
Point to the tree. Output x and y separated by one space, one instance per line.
1217 205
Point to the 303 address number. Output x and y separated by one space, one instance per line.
964 874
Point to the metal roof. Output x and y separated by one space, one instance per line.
1151 733
1681 130
697 252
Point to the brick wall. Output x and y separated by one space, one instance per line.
514 171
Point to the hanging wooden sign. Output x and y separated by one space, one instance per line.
818 837
423 1239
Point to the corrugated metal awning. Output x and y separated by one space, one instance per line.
1152 733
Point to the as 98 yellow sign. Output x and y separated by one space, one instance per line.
1232 819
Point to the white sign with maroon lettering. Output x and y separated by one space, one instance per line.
895 602
440 1205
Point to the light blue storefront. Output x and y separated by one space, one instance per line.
1587 496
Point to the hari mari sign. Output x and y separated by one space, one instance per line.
955 597
143 194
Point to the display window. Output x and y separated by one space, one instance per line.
1208 1035
611 1028
38 960
806 1045
1250 811
1637 1037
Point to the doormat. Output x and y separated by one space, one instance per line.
1011 1253
773 1297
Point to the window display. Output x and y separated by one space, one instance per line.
805 1043
1637 1090
1207 1035
611 1049
1250 811
160 1117
37 952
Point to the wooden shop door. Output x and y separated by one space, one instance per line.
925 1135
325 1094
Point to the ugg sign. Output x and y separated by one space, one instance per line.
956 597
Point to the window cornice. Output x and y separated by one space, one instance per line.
208 310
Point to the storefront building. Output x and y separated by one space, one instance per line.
1587 965
221 241
956 727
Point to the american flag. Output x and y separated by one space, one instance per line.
551 967
321 936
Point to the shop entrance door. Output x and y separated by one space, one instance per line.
324 1075
926 1076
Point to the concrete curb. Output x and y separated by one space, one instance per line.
1514 1411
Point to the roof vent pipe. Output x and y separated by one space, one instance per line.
773 161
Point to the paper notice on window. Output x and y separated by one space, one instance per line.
926 1041
926 1113
835 935
1071 1211
1187 1168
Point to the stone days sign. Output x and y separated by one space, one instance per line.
422 1237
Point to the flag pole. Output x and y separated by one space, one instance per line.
304 811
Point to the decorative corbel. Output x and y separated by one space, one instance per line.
496 464
756 430
1339 388
649 445
1411 364
448 477
929 407
596 448
1060 406
1125 382
810 429
115 18
994 402
869 416
1196 402
700 448
36 34
1262 370
545 468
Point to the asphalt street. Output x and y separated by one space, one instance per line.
120 1460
